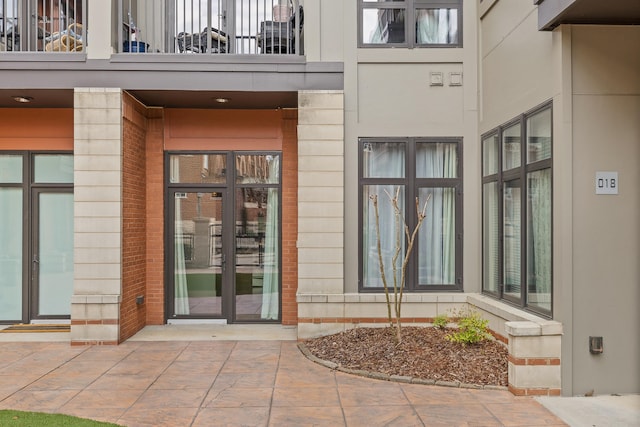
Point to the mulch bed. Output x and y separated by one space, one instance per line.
424 353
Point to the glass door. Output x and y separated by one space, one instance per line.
223 257
198 254
11 250
257 237
52 253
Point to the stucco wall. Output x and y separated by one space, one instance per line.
592 74
606 237
388 93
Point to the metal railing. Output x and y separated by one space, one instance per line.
42 25
211 27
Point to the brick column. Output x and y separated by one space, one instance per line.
95 304
534 358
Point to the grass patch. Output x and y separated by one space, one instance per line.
10 417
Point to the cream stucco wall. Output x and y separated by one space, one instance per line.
388 94
592 75
606 230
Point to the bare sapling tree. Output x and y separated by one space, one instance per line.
400 226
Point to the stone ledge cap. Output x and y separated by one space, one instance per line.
523 329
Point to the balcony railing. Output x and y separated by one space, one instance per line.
217 27
264 27
42 25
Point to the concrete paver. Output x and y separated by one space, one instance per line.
226 383
214 375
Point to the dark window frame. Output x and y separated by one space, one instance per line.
29 187
409 8
412 186
501 177
227 188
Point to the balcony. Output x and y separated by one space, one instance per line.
209 27
42 25
213 27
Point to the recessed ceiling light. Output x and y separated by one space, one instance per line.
22 99
222 100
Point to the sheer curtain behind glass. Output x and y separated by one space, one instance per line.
436 238
539 239
381 160
181 294
270 291
539 211
437 26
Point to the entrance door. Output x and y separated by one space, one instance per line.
198 254
52 253
36 236
223 254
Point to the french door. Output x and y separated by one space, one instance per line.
36 236
51 273
223 246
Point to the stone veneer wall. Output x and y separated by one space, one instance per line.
95 303
320 200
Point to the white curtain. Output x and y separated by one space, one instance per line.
437 236
381 160
490 243
181 294
271 281
539 239
437 26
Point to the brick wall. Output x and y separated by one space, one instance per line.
289 217
155 218
134 128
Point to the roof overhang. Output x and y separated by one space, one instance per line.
552 13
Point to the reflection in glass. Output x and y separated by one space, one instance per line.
55 240
11 253
382 26
539 136
437 26
511 238
257 168
198 168
511 147
539 239
198 254
490 155
257 238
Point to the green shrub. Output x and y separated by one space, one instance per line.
472 329
441 321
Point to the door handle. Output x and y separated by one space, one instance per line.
223 262
35 261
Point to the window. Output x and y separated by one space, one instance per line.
410 23
418 168
516 211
